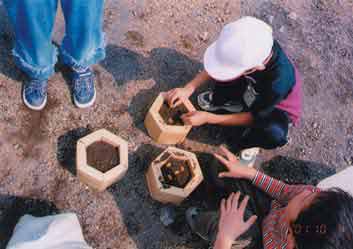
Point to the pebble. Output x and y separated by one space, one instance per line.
270 19
204 37
293 16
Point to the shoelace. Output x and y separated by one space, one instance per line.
36 86
83 82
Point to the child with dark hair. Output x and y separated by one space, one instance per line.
297 217
326 223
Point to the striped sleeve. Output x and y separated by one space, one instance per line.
279 190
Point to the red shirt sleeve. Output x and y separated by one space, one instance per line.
279 190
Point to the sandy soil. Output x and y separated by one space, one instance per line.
154 46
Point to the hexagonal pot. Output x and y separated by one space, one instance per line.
172 194
159 130
89 174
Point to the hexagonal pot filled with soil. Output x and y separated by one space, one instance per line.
164 124
173 176
101 159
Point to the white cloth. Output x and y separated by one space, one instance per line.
61 231
342 180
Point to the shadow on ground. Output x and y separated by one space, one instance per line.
12 208
66 148
168 69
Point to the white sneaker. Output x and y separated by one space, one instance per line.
247 157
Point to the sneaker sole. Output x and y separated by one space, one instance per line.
207 107
32 107
86 105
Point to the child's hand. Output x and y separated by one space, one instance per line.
235 169
175 96
196 118
231 223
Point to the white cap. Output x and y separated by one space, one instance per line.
242 45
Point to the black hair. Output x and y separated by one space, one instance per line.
327 223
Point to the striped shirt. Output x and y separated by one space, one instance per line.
274 227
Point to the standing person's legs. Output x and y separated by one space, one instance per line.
32 22
83 46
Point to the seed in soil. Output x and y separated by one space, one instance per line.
172 116
102 156
176 173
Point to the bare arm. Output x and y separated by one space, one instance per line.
200 79
238 119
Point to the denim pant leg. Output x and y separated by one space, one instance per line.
268 133
84 42
32 22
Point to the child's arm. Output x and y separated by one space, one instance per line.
238 119
275 188
175 95
278 189
198 118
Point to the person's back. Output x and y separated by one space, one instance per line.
298 217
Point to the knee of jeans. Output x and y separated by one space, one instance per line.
276 135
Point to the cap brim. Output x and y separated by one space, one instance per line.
216 69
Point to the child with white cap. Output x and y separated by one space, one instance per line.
255 86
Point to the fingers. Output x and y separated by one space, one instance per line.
225 174
227 153
221 159
243 205
173 99
235 200
229 202
187 118
223 206
177 102
251 221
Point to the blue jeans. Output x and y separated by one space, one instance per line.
33 21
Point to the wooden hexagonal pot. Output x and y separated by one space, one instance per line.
90 175
172 194
159 130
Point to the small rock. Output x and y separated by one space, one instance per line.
282 29
186 42
16 146
135 38
293 16
204 37
167 215
219 20
270 19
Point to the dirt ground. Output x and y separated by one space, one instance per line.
153 46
